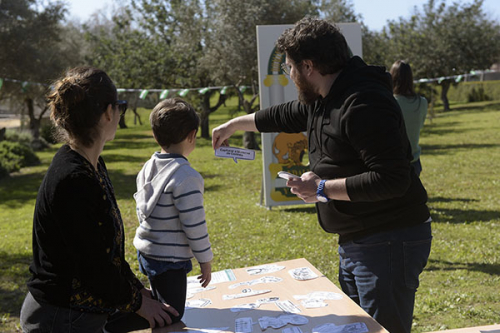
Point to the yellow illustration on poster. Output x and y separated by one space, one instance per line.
284 151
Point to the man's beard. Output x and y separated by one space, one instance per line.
306 91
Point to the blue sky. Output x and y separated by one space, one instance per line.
375 12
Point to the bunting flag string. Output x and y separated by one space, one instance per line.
164 94
144 94
223 90
183 92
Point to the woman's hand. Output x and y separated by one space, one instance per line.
156 313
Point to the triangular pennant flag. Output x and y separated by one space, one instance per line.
164 94
1 83
223 91
243 88
441 79
24 86
203 90
144 94
183 92
458 78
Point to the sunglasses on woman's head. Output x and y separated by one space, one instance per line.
122 106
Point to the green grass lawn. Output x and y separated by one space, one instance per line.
459 287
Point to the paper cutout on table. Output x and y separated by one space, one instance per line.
264 269
217 277
302 273
348 328
264 279
288 306
322 295
316 299
282 320
313 303
197 303
235 153
190 292
251 306
245 293
243 325
293 329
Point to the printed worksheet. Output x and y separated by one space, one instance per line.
217 277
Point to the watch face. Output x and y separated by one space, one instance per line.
321 198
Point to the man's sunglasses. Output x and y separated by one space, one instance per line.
122 106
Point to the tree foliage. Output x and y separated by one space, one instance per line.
440 41
35 50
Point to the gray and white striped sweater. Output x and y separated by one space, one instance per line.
169 200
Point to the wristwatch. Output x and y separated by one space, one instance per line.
320 192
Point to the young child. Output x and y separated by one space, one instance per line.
170 207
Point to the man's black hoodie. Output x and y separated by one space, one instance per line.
357 132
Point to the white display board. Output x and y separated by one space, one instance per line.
283 151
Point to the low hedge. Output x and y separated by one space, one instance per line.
14 156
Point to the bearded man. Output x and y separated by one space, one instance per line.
361 178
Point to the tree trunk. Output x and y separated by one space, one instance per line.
205 131
250 141
34 125
445 86
205 116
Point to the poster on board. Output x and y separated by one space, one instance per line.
285 151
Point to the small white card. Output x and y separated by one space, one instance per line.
235 153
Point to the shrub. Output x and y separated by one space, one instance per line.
24 137
15 155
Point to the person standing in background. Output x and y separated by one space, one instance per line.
413 106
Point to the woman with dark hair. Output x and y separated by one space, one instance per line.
79 272
413 106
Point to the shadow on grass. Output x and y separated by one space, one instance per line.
129 144
458 216
112 158
19 189
439 149
13 271
123 184
306 209
480 107
441 265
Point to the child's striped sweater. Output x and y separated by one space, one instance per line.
170 210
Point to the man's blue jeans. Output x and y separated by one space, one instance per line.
380 272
